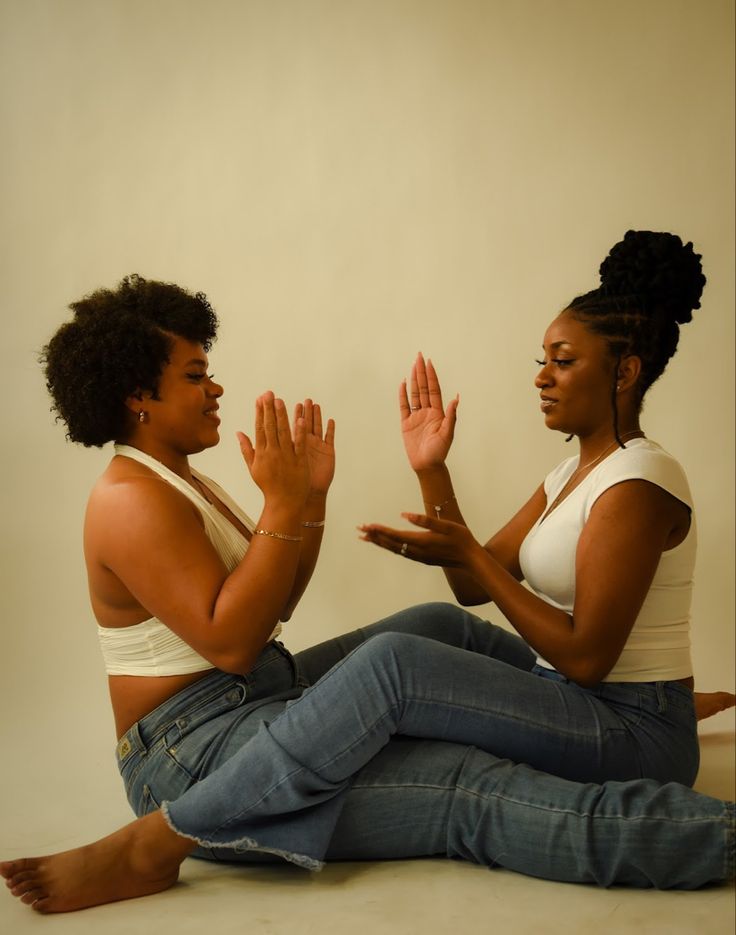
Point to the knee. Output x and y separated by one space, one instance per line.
389 654
437 619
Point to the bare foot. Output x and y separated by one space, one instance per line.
709 703
139 859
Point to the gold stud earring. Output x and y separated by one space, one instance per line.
142 416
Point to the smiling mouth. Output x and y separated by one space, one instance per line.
547 404
212 414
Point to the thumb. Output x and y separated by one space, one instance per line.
246 449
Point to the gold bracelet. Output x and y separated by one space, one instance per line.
438 507
314 523
278 535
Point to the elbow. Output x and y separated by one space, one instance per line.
235 662
466 598
587 672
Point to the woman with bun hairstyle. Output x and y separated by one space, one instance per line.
606 544
229 747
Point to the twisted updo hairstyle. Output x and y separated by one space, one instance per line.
650 284
116 346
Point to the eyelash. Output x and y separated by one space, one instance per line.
201 376
561 362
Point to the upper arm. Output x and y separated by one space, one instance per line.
617 556
152 539
505 545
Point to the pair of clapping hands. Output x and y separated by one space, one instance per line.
298 460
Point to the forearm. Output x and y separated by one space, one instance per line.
440 501
251 600
548 630
312 527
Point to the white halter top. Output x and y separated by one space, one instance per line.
150 648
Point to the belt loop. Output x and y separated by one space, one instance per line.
661 698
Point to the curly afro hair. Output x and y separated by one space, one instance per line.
116 346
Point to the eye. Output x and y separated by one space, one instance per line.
558 361
197 377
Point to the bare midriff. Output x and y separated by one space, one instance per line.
135 696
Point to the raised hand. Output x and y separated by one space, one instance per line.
277 461
320 448
442 543
426 427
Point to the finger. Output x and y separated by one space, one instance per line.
433 386
429 522
414 396
404 408
283 429
316 419
422 381
260 432
309 415
246 448
269 419
298 412
451 416
300 437
330 433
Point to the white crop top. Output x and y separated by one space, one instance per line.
658 647
151 648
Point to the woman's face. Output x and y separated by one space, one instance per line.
576 379
184 416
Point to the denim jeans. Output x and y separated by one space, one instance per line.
256 763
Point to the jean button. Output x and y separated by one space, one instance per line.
182 722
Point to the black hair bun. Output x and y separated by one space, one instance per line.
660 269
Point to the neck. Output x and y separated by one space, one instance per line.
593 444
174 460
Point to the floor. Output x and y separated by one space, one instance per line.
431 897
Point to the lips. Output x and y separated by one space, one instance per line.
547 403
212 414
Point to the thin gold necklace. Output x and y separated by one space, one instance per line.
584 467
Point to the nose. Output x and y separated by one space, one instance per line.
543 378
215 389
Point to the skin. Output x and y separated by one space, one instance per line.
629 526
227 618
294 472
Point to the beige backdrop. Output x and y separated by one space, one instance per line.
349 182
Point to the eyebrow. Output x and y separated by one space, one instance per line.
558 344
196 361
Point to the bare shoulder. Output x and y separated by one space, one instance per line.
129 500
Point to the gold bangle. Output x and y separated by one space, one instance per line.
278 535
438 507
314 523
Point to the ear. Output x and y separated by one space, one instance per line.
136 400
629 371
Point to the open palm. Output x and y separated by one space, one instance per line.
320 447
427 429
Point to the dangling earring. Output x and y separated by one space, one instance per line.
618 387
142 416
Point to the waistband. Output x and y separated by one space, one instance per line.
182 707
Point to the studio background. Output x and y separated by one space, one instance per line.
349 182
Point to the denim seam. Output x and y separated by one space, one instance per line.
595 815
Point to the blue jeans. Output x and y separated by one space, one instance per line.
239 769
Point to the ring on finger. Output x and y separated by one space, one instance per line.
414 408
404 548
